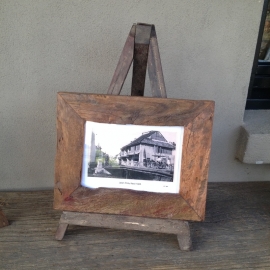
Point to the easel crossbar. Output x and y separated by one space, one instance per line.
178 227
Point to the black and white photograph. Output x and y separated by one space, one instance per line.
146 158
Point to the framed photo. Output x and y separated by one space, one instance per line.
145 158
132 155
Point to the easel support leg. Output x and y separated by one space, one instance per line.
178 227
61 230
184 238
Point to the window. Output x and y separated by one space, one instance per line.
259 87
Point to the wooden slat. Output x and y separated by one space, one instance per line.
196 158
61 230
69 154
154 68
123 65
178 227
124 222
140 57
138 110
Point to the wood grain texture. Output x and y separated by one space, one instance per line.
123 65
155 72
3 219
195 160
69 154
124 222
140 57
141 41
61 230
139 69
184 237
234 235
135 110
178 227
195 116
128 202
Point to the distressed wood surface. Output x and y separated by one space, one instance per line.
178 227
140 57
123 65
134 110
137 48
3 219
235 235
128 202
69 150
155 72
196 117
195 160
61 230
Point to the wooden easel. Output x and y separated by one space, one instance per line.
141 47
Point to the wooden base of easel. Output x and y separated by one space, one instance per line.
178 227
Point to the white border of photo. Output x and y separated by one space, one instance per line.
117 134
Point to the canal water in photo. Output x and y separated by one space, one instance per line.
124 172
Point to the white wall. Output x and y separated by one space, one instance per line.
46 46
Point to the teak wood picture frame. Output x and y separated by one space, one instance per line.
141 48
74 109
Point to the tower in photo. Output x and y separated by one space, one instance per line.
92 163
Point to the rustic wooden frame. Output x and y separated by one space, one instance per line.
196 117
